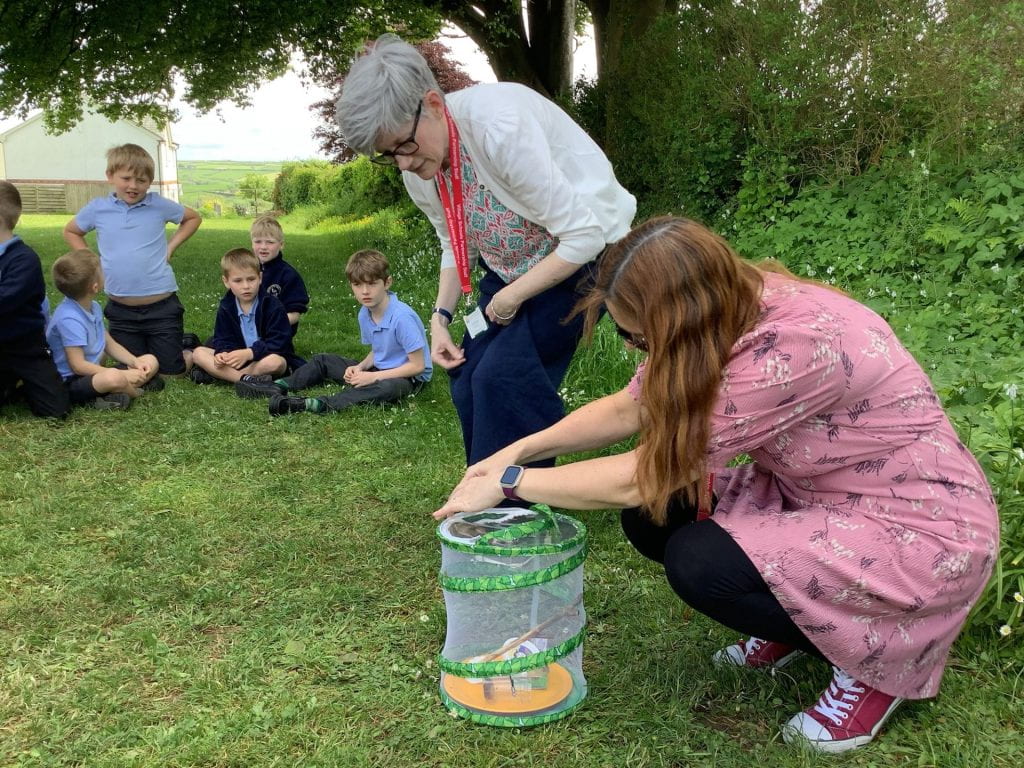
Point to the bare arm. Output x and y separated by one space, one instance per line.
549 271
189 224
78 363
603 482
443 351
74 236
412 367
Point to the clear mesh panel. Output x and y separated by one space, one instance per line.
517 610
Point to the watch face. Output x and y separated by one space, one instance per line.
510 475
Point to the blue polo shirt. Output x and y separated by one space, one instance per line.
133 242
72 326
248 322
399 333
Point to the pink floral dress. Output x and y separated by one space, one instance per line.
867 517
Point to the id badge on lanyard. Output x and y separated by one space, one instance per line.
455 216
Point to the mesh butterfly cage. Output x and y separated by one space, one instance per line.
513 591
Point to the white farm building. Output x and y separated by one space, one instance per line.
61 173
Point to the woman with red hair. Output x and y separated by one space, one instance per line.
861 532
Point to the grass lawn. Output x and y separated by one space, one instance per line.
194 583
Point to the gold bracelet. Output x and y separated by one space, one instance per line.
503 317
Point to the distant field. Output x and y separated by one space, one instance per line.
207 181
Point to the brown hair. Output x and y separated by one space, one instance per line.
10 205
239 258
267 226
691 296
367 266
75 273
133 158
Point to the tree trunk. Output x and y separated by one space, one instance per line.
617 22
540 56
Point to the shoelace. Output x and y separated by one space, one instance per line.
836 702
751 646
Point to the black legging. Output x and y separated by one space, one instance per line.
712 574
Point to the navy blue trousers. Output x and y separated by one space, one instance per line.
508 386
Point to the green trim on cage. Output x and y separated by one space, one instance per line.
545 519
513 721
479 548
514 580
511 666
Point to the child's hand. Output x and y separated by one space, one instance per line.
360 378
350 372
142 365
238 358
135 376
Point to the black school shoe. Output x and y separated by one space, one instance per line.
156 384
252 387
190 341
282 404
198 376
114 401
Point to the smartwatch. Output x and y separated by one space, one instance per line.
510 480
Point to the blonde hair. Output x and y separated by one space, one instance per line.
10 205
367 266
239 258
133 158
267 226
76 272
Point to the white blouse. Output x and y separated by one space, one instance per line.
539 163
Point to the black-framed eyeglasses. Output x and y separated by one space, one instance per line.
635 339
407 147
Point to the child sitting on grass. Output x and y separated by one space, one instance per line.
279 278
26 368
251 335
81 343
397 365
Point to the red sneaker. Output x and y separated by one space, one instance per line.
848 715
755 653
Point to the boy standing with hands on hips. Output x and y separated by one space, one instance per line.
143 310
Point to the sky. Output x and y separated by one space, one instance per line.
278 124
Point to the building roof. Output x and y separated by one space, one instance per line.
148 124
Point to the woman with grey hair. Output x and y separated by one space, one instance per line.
511 184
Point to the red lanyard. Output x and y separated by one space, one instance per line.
705 512
454 206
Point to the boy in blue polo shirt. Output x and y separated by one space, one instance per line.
143 309
279 278
81 343
397 365
26 367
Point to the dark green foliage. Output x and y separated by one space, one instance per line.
357 188
721 94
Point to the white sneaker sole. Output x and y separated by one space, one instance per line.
793 732
733 657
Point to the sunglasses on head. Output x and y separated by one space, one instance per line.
636 340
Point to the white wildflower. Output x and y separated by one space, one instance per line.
1005 630
1010 390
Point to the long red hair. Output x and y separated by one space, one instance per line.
691 296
